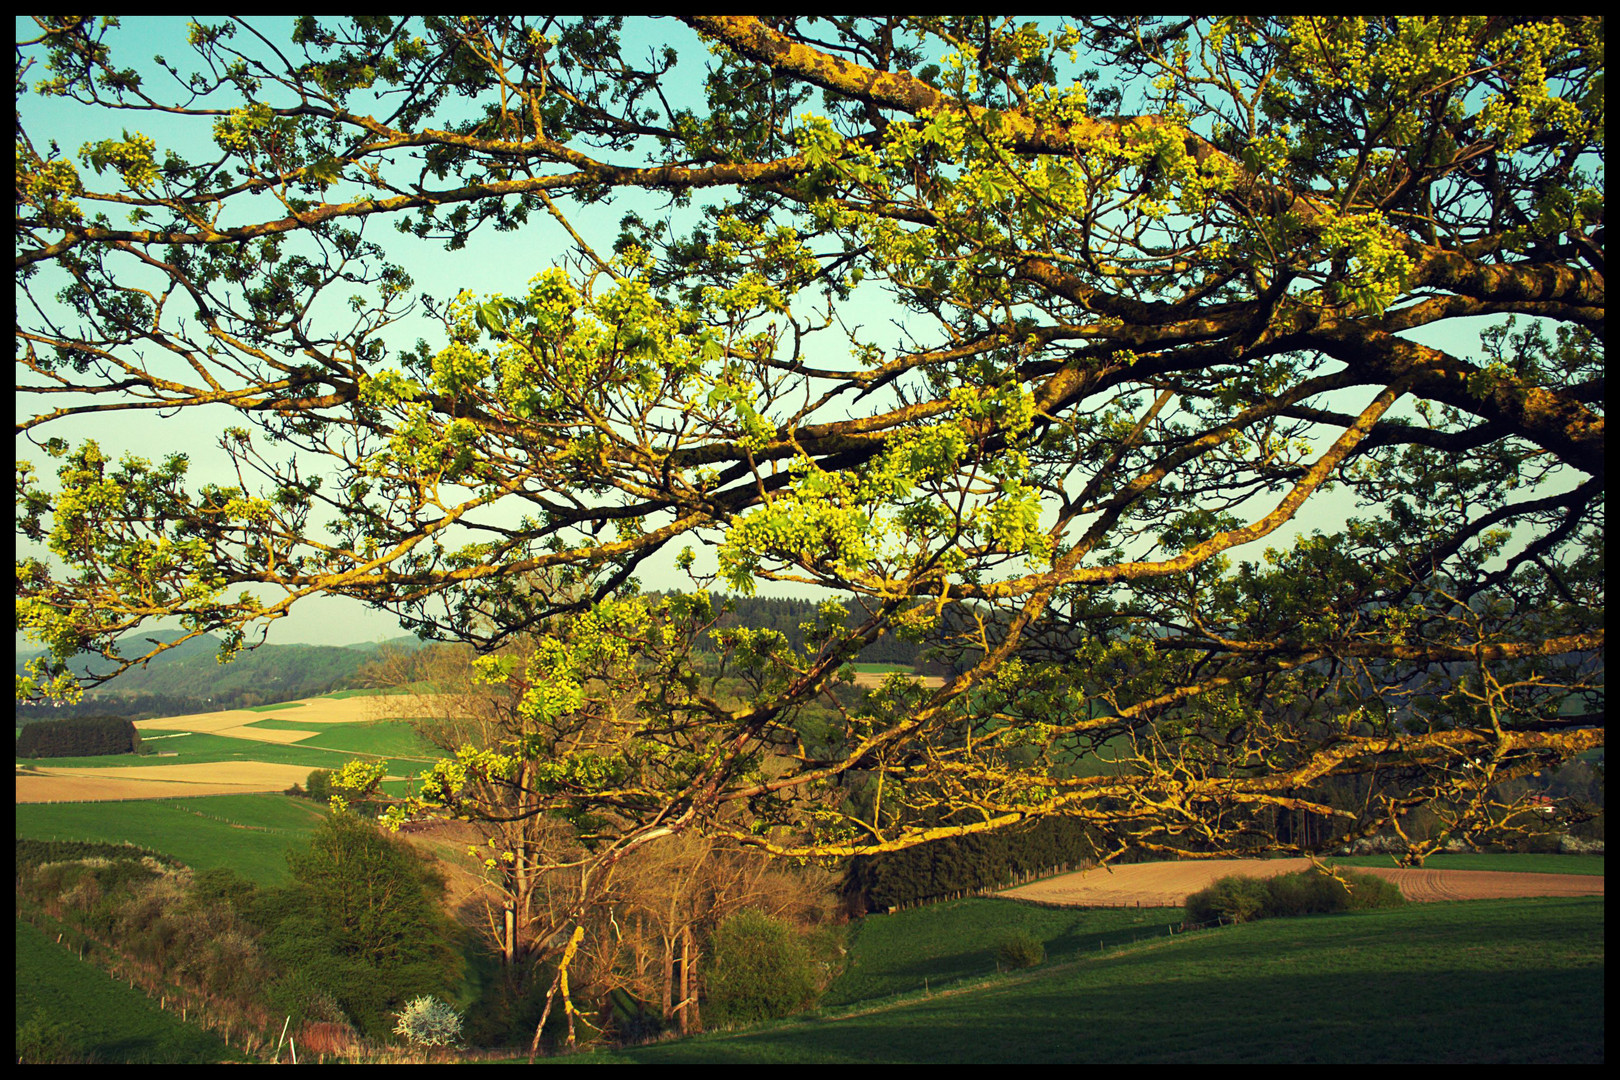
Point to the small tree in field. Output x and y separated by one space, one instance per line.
426 1023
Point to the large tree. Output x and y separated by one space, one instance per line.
1021 338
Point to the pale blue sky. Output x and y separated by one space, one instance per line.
491 262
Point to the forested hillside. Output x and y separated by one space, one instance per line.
189 677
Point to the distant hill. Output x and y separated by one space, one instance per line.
190 677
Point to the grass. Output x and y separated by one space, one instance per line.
1488 980
103 1020
386 738
1522 864
331 748
202 747
412 688
944 943
248 833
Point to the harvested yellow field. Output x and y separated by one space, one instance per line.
156 781
236 722
272 735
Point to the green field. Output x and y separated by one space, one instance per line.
944 943
1488 980
103 1020
200 747
276 707
330 749
384 738
248 833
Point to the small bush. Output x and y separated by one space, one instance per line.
43 1041
1372 891
427 1022
337 1040
318 785
299 997
1231 899
1310 892
759 969
1020 949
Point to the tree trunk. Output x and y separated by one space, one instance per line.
689 976
669 978
691 1023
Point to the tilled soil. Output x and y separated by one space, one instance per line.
1169 884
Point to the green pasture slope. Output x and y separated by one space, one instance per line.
103 1020
247 833
384 738
1485 980
332 747
935 946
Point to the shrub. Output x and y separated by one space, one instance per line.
328 1038
1020 949
304 1001
1231 899
759 969
1372 891
1310 892
43 1041
318 785
426 1022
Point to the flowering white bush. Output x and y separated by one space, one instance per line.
427 1021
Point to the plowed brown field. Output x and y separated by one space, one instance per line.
1169 884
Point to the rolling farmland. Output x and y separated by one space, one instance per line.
234 752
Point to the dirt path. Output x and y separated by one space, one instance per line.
1169 884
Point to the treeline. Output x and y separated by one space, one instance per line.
93 736
197 682
955 865
190 679
128 706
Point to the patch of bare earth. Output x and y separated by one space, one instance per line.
1169 884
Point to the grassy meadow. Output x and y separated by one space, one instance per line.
96 1017
1484 980
247 833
